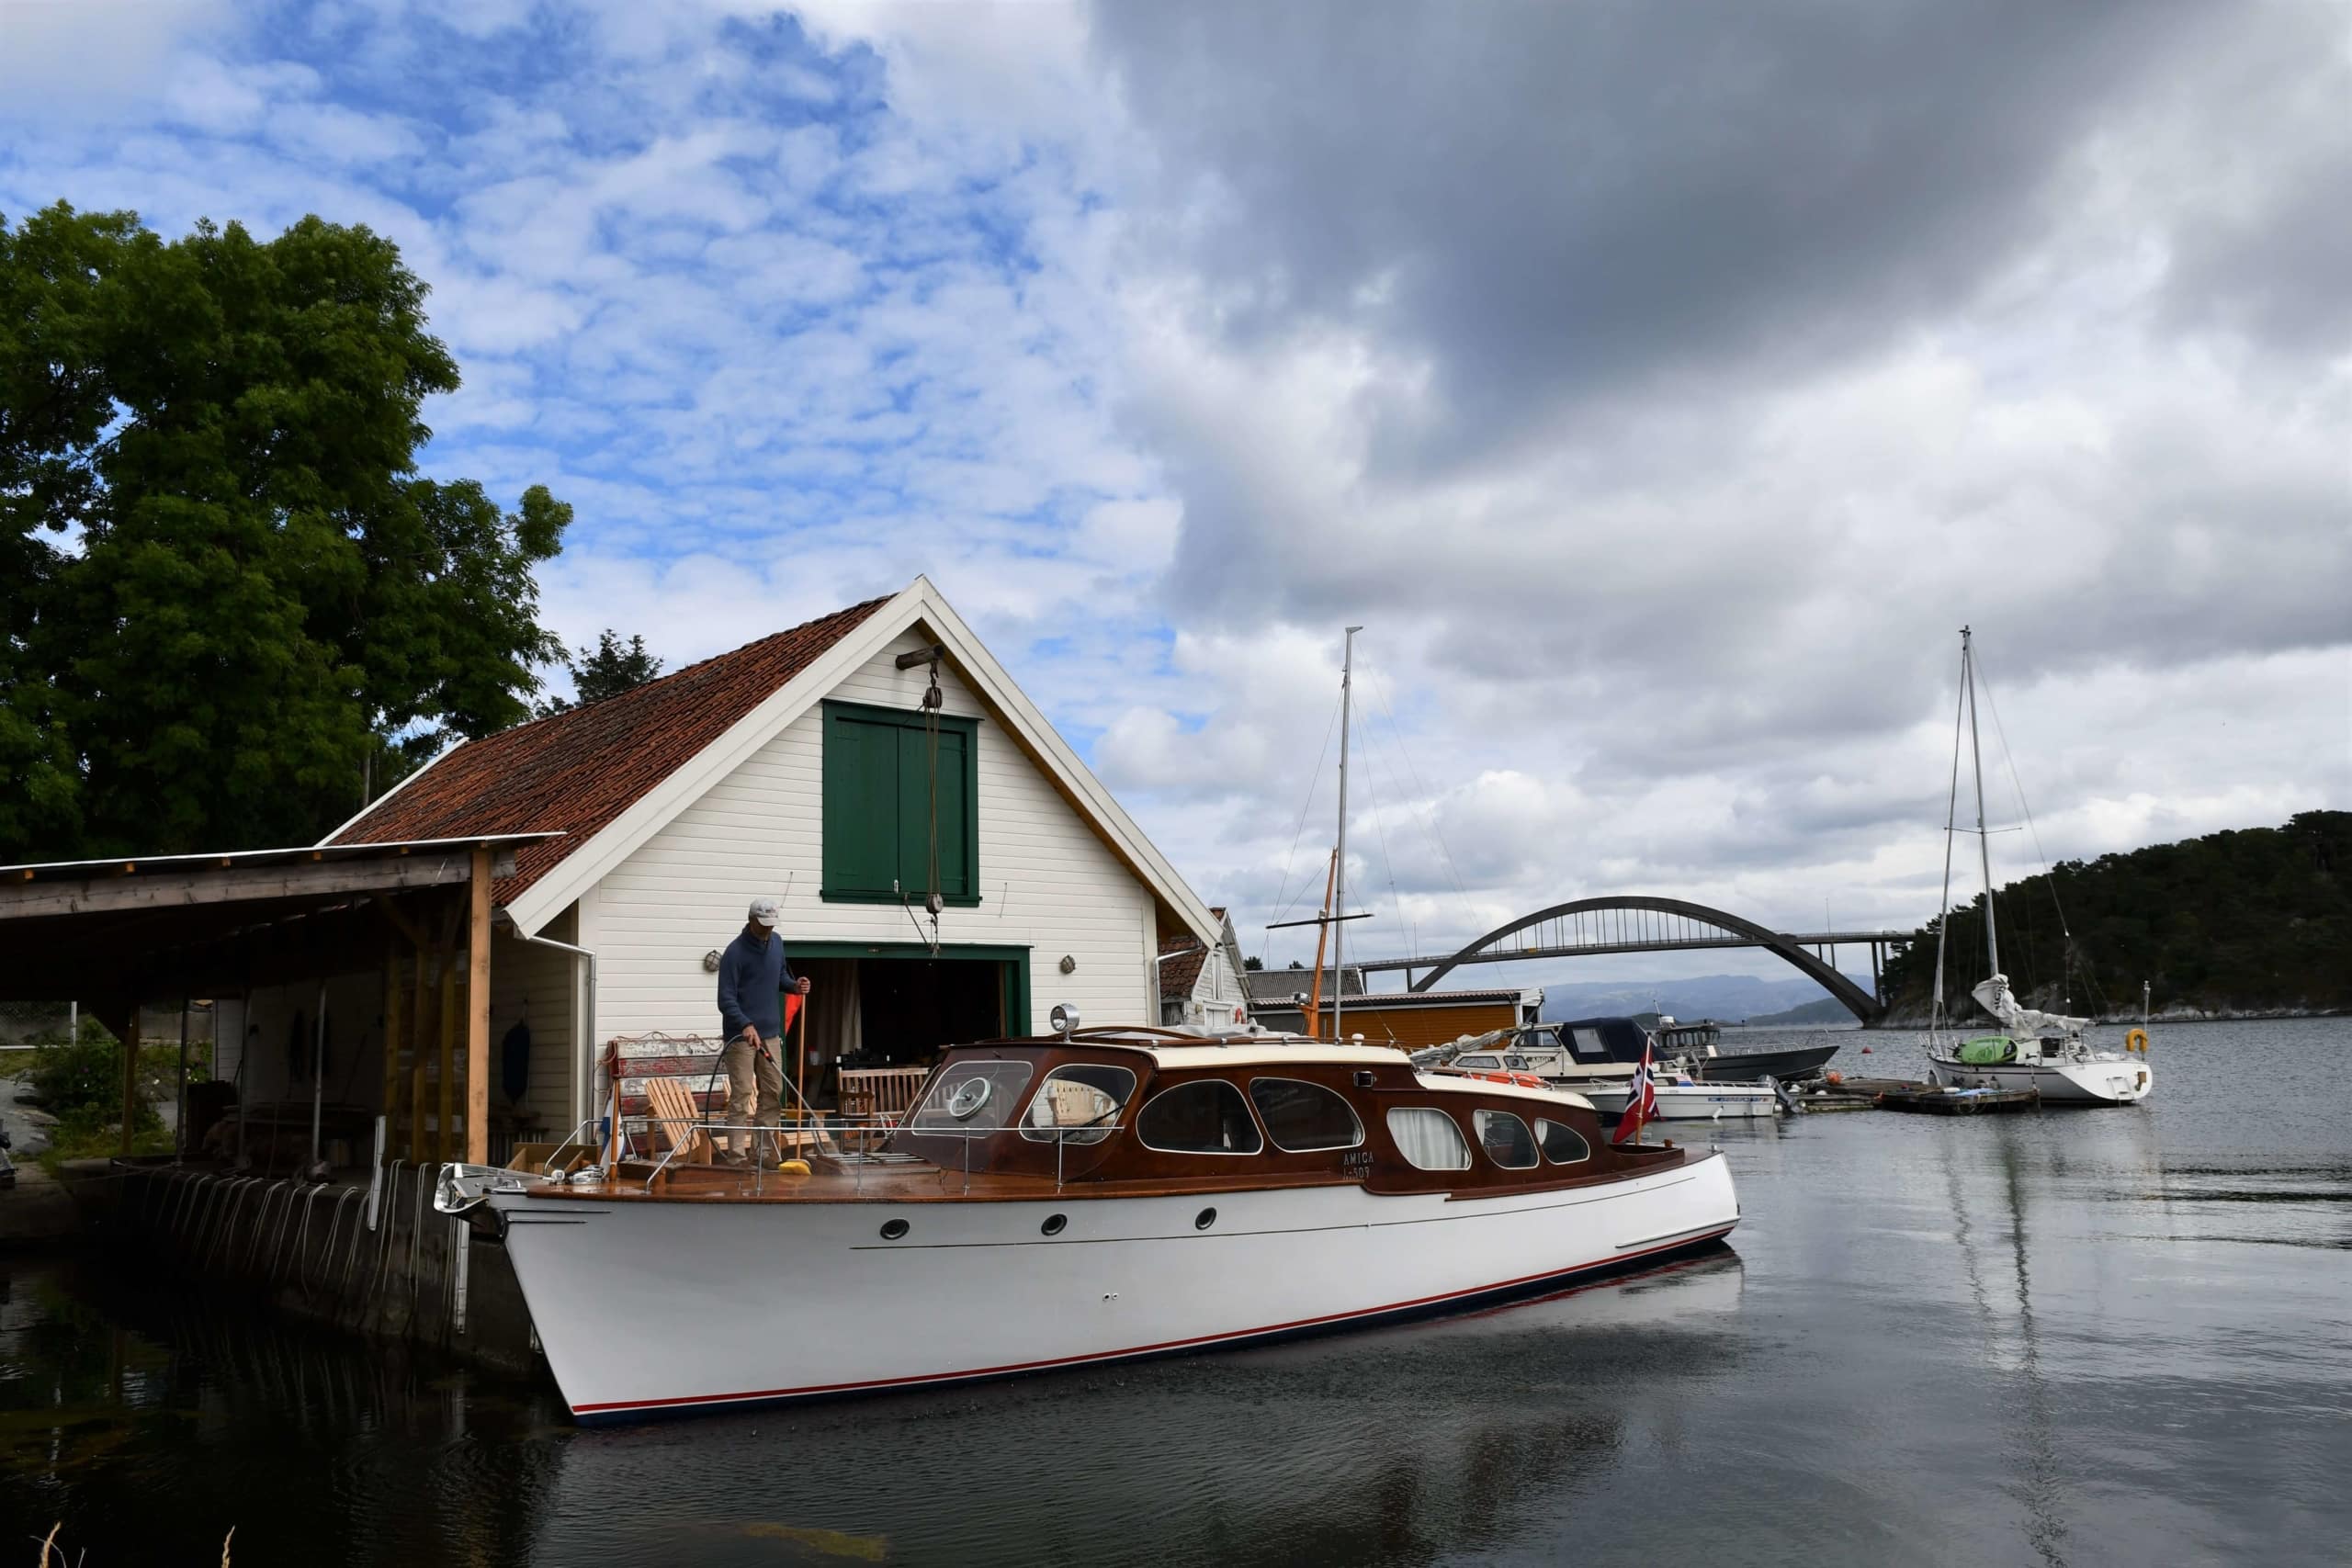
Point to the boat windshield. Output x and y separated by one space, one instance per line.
1078 1103
972 1097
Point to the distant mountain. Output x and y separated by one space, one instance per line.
1828 1010
1729 998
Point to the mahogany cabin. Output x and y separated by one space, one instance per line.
1131 1112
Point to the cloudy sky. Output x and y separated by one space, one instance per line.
1661 387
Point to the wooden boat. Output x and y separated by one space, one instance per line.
1095 1196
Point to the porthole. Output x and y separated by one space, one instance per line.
893 1229
1205 1219
1053 1223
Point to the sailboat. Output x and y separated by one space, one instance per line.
2044 1052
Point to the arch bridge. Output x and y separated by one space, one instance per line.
1636 923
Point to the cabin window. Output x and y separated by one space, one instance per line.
1303 1117
1586 1044
880 809
1427 1139
1078 1103
972 1097
1562 1145
1479 1062
1206 1117
1506 1139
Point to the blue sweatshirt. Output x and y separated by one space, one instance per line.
752 979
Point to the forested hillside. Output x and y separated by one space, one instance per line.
2249 920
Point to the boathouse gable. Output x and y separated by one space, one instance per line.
1046 882
764 771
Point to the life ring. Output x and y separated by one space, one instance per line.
2137 1040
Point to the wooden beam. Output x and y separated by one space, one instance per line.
400 922
478 1012
448 1108
414 1147
235 884
391 1102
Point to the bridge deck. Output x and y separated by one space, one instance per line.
1574 950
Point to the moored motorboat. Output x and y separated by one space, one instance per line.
1096 1196
1700 1046
1681 1097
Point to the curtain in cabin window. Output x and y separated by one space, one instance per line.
1427 1139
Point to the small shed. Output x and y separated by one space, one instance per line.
1200 985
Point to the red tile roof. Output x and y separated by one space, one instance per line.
575 772
1178 975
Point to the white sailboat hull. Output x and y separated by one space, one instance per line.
650 1307
1693 1102
2101 1079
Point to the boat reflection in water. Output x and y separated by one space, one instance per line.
1430 1440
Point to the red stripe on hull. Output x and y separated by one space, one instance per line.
1301 1324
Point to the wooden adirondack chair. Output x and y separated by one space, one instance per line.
672 1109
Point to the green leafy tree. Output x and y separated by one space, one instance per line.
607 670
231 595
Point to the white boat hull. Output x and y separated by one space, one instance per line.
2103 1078
1693 1103
654 1307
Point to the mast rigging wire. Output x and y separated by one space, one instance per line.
1952 820
1281 909
1421 791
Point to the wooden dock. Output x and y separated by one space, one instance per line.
1907 1094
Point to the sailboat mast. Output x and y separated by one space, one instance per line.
1951 821
1340 862
1976 761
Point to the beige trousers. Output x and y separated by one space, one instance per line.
754 1087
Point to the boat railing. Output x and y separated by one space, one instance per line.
856 1143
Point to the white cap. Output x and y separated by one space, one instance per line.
766 911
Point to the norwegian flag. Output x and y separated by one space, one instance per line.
1641 1105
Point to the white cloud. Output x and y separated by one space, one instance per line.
1168 355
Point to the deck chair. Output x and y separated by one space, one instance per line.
672 1109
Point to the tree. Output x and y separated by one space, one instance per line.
606 670
230 597
1253 962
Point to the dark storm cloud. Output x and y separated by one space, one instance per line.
1550 201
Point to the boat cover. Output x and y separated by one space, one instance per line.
1993 995
1986 1049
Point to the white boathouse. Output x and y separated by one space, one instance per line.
804 765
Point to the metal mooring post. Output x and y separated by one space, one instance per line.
460 1255
376 1174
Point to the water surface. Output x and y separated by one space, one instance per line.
2059 1337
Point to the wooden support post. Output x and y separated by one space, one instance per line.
391 1103
418 1016
130 1076
448 1104
478 1012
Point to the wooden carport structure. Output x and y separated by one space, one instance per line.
117 932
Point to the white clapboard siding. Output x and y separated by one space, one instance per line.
541 984
1048 882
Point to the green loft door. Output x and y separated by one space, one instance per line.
954 816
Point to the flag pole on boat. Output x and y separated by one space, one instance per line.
1339 864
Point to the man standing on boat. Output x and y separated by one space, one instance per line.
752 977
